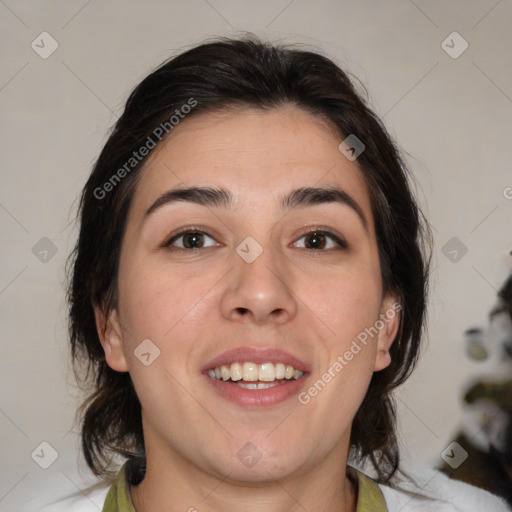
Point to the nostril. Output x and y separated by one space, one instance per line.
242 311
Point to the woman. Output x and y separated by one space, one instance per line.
248 289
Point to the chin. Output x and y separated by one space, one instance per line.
254 463
261 474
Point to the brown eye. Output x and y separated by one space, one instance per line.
315 241
191 240
320 240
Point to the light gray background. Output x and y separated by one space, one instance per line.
452 116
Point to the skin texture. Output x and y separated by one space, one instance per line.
196 304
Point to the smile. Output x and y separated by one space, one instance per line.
248 379
250 375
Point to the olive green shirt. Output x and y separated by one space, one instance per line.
369 496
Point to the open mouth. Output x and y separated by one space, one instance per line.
249 384
250 375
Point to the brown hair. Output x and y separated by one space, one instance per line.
219 75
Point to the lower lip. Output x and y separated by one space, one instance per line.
257 397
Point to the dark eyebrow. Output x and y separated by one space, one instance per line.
308 196
221 197
204 196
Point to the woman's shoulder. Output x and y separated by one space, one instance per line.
79 503
67 490
431 490
76 502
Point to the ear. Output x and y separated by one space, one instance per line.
111 338
390 318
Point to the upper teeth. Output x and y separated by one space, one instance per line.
252 372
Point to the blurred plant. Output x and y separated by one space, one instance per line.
486 434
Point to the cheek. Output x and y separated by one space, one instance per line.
170 311
347 303
349 306
156 301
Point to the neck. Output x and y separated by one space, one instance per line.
172 484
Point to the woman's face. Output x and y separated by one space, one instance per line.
272 258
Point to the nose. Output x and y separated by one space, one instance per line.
260 291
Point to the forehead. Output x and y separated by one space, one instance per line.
258 155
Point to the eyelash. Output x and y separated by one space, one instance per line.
182 232
340 241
